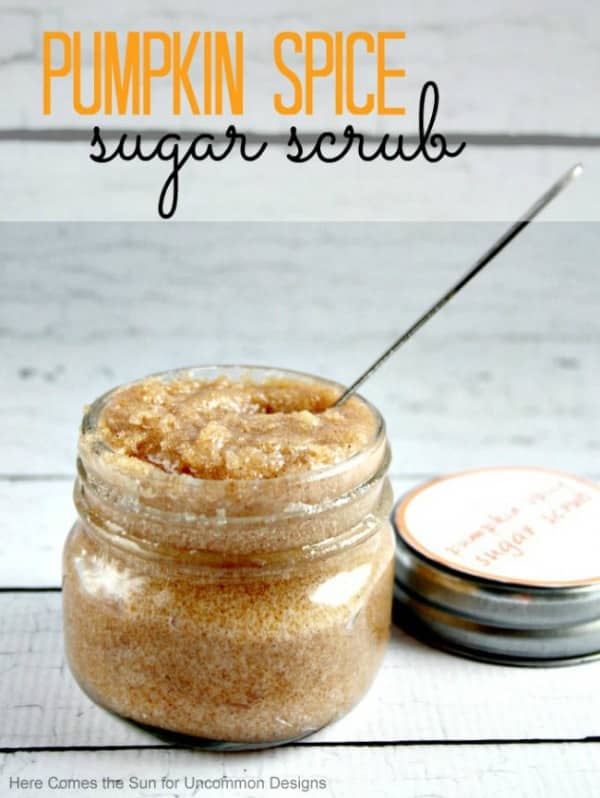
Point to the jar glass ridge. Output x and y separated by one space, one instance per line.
242 612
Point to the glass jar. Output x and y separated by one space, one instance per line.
242 612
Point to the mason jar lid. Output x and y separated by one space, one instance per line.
502 564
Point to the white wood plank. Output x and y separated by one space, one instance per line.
420 693
34 520
502 65
541 771
507 374
59 182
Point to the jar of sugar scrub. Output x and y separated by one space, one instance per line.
230 574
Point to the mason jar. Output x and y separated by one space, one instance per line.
243 613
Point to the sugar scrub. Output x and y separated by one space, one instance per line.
224 429
230 573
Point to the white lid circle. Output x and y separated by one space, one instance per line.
518 525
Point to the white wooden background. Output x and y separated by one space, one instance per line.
508 374
522 74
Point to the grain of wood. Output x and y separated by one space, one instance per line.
420 693
58 182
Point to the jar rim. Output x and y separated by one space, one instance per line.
101 447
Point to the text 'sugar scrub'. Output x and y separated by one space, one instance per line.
203 75
230 575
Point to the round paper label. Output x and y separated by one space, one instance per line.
522 525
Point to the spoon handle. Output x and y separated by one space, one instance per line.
483 261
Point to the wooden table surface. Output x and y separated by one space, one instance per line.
508 374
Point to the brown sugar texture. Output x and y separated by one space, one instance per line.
246 659
241 610
225 429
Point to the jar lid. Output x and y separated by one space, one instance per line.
502 564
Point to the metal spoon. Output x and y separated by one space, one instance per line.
483 261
